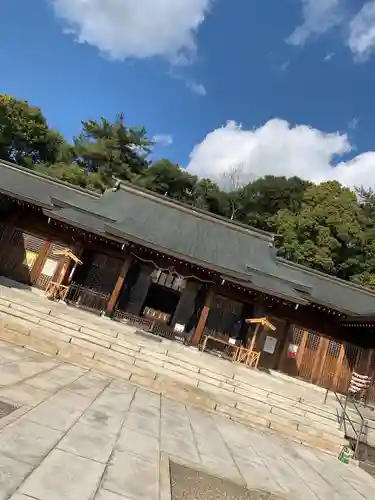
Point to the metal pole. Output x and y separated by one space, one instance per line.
344 411
358 442
326 396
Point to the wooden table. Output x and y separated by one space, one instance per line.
218 341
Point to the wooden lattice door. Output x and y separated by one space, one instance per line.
300 353
22 253
321 360
103 273
306 358
340 360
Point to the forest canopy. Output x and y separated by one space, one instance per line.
325 226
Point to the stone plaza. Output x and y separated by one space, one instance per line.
80 435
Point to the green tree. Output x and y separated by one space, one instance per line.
167 178
365 273
25 137
206 195
327 233
71 173
259 201
112 149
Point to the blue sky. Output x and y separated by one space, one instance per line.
279 87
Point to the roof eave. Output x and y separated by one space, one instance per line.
252 286
26 199
223 272
89 229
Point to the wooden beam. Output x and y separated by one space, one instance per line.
281 349
119 284
203 317
261 321
64 267
320 357
369 363
364 362
301 349
39 262
254 337
340 361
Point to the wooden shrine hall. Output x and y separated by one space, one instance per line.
182 273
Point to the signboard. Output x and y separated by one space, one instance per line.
270 345
292 351
179 328
179 332
30 258
49 267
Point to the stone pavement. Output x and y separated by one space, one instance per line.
79 435
271 400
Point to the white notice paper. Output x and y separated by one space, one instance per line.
270 345
49 267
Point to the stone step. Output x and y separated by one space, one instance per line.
145 364
286 430
119 365
61 327
142 356
303 435
217 373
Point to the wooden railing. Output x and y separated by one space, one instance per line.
133 320
152 325
86 298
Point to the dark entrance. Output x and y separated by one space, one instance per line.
162 299
163 296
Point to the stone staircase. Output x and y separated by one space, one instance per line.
272 401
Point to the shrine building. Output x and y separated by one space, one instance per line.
180 272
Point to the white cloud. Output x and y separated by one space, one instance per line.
284 66
353 123
163 139
136 28
278 148
328 56
319 16
196 88
361 39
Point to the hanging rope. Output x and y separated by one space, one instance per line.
171 270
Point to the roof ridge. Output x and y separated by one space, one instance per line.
203 214
48 178
328 277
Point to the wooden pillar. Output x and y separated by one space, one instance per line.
39 262
282 346
301 350
65 269
340 361
369 363
203 317
119 284
321 354
364 362
254 338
